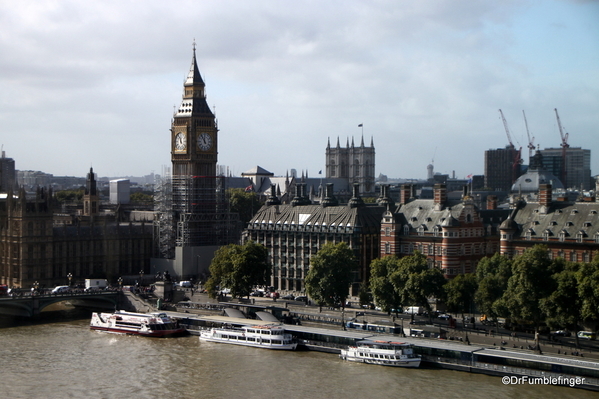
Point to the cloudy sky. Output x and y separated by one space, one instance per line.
95 83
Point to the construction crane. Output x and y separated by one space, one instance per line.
517 160
564 144
531 142
507 129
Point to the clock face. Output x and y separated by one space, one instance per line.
180 141
204 141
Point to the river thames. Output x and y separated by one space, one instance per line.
62 358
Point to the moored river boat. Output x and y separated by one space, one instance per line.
384 353
148 325
260 336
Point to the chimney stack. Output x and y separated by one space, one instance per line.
440 193
405 194
545 194
492 202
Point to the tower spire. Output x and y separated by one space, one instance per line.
194 77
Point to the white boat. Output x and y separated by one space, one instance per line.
384 353
259 336
148 325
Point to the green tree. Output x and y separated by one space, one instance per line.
415 282
460 293
563 306
588 289
529 285
69 195
246 204
239 268
492 275
381 287
141 198
330 274
365 295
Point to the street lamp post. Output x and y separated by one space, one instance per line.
35 287
120 280
70 276
141 277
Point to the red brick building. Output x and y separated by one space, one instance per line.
453 235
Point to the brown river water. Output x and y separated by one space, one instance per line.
60 357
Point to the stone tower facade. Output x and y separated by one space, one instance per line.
198 195
355 163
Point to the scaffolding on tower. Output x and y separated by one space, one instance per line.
201 211
164 237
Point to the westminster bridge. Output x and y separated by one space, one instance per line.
32 305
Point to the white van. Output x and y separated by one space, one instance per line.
61 289
185 284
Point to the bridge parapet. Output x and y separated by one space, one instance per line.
32 305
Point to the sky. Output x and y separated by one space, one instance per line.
95 84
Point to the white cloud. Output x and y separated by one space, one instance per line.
95 82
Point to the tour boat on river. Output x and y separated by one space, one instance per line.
260 336
147 325
384 353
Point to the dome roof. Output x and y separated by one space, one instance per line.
508 224
529 182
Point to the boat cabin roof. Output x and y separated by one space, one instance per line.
381 342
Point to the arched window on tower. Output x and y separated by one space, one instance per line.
333 169
356 168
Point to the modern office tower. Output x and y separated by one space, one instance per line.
577 172
502 168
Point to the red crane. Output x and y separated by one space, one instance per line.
564 144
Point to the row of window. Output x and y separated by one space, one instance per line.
572 256
439 250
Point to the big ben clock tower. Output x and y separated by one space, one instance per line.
194 139
194 130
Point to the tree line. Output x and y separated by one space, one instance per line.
530 289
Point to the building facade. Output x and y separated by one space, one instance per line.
37 246
295 232
575 173
570 229
355 163
8 177
502 168
453 235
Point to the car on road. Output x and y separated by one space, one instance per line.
444 316
257 293
61 289
561 333
301 298
586 335
288 297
